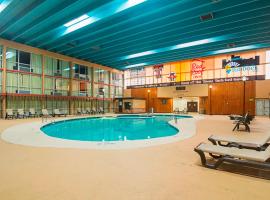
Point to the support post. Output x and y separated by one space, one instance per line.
71 111
4 75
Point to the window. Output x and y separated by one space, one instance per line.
82 72
23 61
56 67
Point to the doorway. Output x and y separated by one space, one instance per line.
192 106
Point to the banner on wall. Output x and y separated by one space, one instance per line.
172 76
192 82
197 68
158 70
238 64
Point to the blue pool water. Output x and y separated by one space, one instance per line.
123 127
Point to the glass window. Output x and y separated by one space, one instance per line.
82 72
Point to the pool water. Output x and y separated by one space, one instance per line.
123 127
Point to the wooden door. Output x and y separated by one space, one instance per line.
192 106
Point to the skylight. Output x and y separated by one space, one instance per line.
235 49
102 12
75 21
135 65
4 4
174 47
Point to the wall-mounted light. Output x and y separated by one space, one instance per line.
210 86
148 91
244 78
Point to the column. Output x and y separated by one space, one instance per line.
4 75
71 103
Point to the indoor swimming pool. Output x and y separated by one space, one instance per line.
120 128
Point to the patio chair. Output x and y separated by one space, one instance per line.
245 121
93 111
88 111
84 112
20 113
32 112
247 157
56 112
45 113
10 114
79 111
101 111
176 111
258 142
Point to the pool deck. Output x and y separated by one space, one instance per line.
163 172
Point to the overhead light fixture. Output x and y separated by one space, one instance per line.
135 65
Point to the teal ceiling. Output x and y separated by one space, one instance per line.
130 33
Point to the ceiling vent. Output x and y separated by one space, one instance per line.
207 17
231 45
96 48
72 44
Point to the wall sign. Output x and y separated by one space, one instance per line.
205 81
197 68
158 70
172 76
238 64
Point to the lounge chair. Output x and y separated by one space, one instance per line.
93 111
45 113
56 112
88 111
20 113
10 114
84 112
176 111
101 111
184 111
242 121
248 157
32 112
79 111
258 142
238 117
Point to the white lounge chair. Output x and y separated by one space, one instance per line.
10 114
257 141
56 112
45 113
93 111
88 111
101 111
32 112
79 111
20 113
260 159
